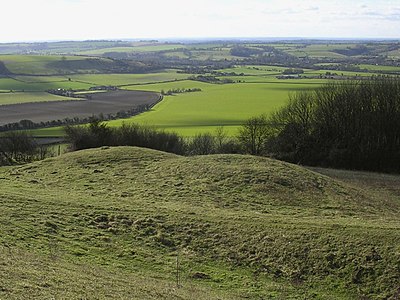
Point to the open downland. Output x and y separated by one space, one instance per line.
105 103
109 224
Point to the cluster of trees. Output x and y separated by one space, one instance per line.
243 51
210 79
98 134
348 124
20 147
291 71
179 91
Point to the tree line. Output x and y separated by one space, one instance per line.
29 124
342 124
20 147
346 124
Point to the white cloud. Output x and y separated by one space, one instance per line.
91 19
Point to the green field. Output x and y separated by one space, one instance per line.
241 227
226 105
319 50
42 83
127 79
255 70
34 64
141 48
17 98
380 68
54 64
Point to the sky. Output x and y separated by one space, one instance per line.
42 20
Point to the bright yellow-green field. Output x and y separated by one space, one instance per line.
227 105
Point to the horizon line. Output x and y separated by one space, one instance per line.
222 38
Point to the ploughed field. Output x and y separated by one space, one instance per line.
99 103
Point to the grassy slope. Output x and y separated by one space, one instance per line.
255 227
41 83
54 64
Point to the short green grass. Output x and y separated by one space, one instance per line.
380 68
110 223
228 105
216 105
18 98
33 64
23 84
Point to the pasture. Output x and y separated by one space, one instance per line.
39 83
227 105
34 64
34 97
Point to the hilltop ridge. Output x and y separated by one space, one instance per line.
242 226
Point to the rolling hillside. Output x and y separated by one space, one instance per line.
113 222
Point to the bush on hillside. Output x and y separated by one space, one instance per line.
98 134
17 146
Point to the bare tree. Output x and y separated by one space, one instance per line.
254 134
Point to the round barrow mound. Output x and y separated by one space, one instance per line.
100 103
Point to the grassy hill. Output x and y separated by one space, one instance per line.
112 223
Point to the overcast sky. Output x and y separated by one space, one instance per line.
29 20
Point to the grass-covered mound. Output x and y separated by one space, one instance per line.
111 222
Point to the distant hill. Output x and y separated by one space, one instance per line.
113 222
64 65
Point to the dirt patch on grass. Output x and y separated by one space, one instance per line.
105 103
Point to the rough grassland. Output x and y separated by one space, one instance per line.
110 223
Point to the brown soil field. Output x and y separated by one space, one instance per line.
105 103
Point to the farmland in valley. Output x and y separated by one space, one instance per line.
99 103
216 105
127 222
